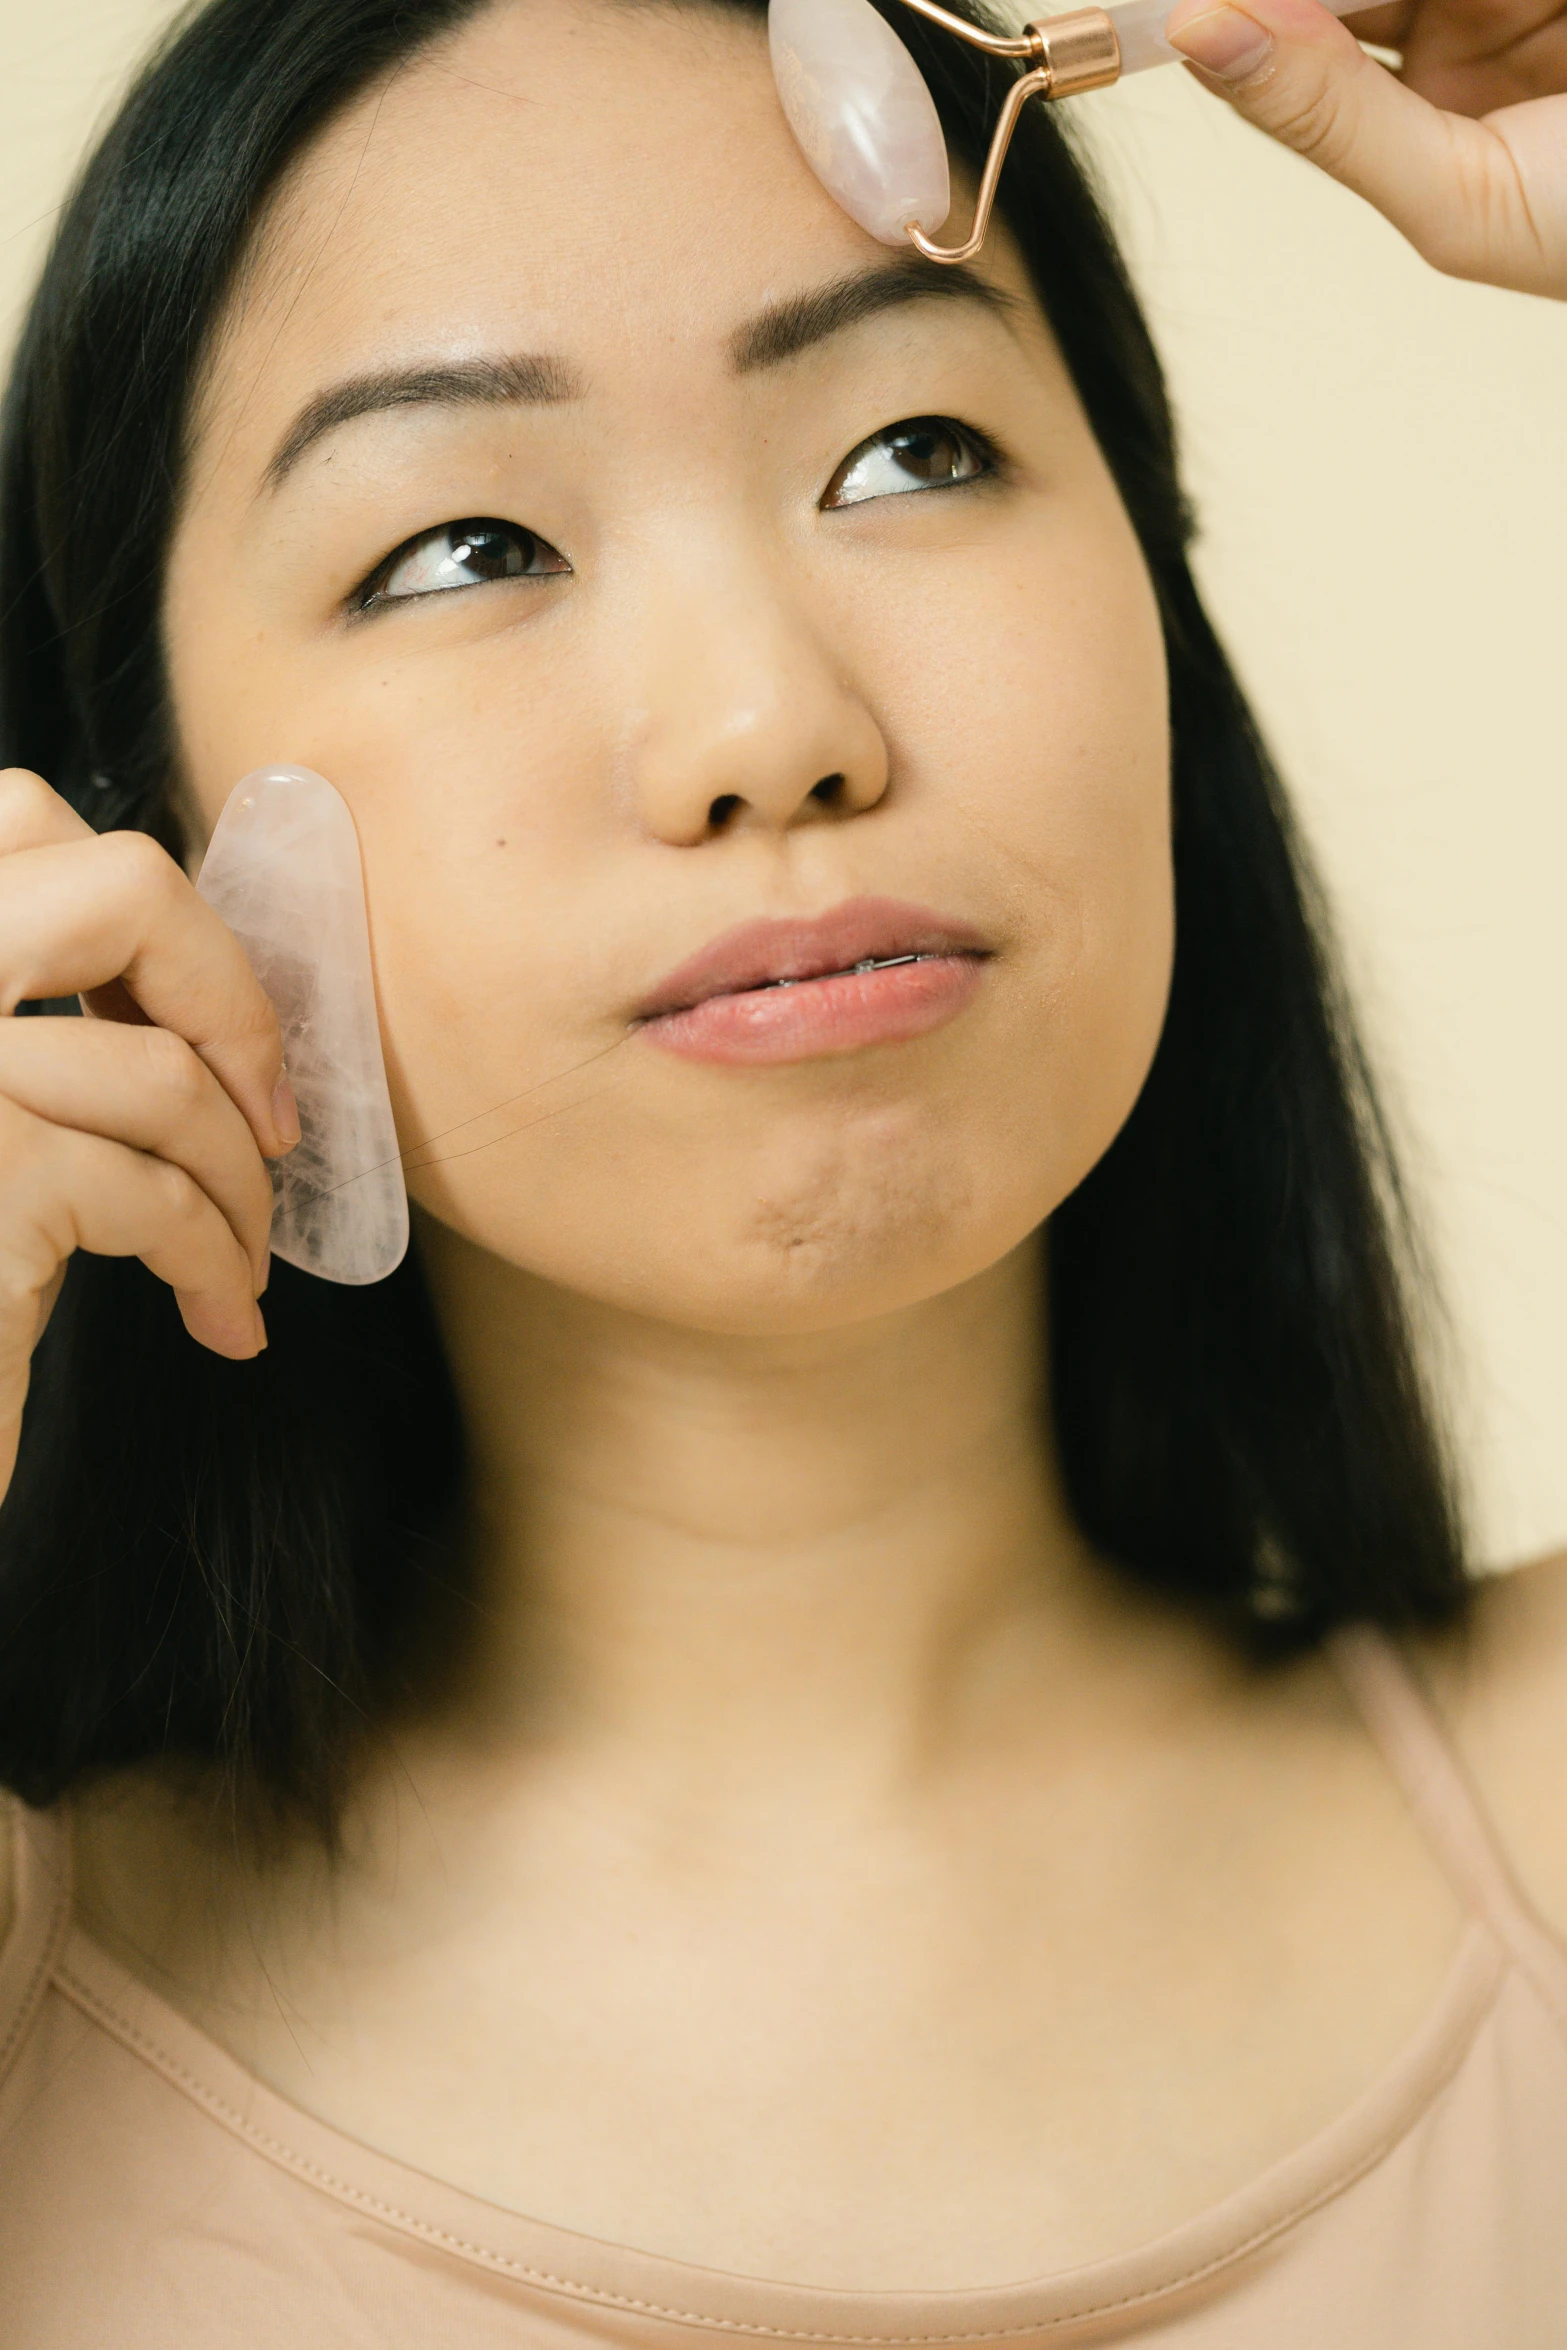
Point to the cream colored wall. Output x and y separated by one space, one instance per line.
1379 461
1379 458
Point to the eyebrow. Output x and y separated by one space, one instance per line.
542 380
785 328
527 379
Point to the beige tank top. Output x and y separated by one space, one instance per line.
155 2196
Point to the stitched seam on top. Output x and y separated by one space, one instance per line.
286 2158
11 2046
43 1967
1433 1774
1545 1971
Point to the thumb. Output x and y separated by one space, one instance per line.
1453 186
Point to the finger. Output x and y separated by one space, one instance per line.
34 817
79 915
1452 186
17 1347
1479 68
1388 26
61 1191
149 1089
1535 136
1454 28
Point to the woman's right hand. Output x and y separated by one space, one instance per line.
141 1130
1464 149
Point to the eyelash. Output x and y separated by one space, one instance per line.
464 536
907 434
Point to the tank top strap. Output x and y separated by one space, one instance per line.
1405 1726
40 1919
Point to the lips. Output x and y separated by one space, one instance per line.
870 971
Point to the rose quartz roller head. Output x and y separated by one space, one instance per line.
858 105
868 126
283 870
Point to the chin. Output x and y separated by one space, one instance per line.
831 1246
820 1216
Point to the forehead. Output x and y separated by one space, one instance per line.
614 181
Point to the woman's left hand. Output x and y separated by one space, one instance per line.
1464 150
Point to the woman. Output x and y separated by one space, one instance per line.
720 1754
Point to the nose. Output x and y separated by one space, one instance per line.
747 722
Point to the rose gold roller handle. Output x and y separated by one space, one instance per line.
1087 49
1068 55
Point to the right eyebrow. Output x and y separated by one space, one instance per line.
528 378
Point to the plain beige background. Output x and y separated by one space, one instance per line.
1380 462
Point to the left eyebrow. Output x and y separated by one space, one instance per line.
801 320
527 379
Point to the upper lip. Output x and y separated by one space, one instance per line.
758 953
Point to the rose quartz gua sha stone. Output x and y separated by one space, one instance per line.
858 105
283 870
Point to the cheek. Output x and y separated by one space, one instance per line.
500 1024
1051 744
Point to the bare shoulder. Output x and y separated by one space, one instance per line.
1501 1686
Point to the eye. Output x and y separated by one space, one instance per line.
921 453
459 555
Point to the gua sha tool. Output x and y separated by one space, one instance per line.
867 125
283 871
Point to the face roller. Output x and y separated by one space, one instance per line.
867 124
283 871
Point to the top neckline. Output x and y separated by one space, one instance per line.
46 1946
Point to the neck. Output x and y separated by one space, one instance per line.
815 1554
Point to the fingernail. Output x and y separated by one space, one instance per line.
285 1113
1226 43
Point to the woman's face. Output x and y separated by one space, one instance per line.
648 556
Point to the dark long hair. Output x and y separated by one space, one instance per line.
219 1560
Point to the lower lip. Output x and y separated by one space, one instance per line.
815 1017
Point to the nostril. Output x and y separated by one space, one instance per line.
829 791
722 809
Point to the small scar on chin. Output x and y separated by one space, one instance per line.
819 1235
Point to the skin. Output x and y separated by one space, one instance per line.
818 1865
1462 148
